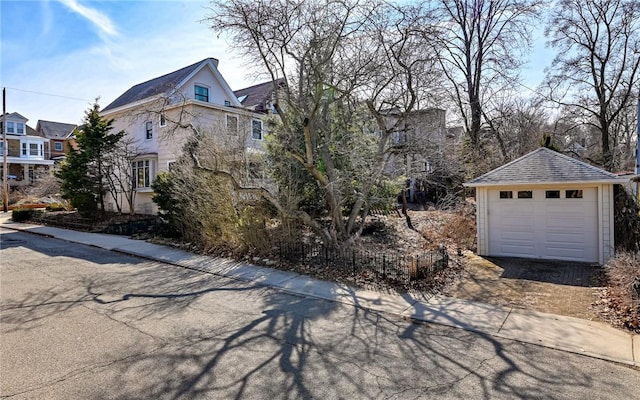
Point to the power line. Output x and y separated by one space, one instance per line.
49 94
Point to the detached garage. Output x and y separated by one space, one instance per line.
546 205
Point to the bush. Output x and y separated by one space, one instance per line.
22 214
622 270
626 217
461 229
56 207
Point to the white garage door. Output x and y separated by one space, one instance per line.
555 223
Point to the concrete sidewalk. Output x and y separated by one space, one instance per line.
575 335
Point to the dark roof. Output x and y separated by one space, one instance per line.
32 132
257 96
543 166
55 130
155 86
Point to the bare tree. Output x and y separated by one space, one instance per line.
119 173
596 71
347 64
480 44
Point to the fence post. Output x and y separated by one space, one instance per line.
384 267
353 257
326 256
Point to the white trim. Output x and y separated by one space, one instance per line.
202 85
225 86
147 130
261 138
226 123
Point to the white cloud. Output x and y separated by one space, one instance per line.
100 20
109 67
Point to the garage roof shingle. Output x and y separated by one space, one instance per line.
543 166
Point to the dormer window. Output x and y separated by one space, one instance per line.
20 128
202 93
11 127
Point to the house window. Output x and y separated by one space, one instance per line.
20 128
24 149
141 174
57 146
148 128
232 124
256 129
227 103
33 149
170 165
573 194
552 194
506 194
525 194
201 93
163 120
11 127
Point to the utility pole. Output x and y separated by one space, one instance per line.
5 149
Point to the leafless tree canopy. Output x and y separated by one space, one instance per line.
346 65
596 68
480 45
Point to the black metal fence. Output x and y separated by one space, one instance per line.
386 265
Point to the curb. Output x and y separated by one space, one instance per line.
405 314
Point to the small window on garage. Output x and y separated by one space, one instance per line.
573 194
506 194
552 194
525 194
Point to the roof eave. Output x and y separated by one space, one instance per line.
618 181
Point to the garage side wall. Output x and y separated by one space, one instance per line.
482 221
607 221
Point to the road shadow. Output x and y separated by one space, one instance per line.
54 248
214 337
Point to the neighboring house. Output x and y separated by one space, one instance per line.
421 147
60 135
158 115
28 153
546 205
261 97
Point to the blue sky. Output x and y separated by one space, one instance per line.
84 49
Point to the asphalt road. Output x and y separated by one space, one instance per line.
78 322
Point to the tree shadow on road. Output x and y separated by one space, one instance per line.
214 337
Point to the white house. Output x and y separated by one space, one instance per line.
158 115
28 151
546 205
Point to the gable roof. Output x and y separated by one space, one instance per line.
257 96
164 83
544 166
55 130
15 115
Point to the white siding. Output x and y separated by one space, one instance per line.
549 228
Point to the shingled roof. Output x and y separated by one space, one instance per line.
543 166
257 96
156 86
55 130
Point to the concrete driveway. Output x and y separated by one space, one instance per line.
556 287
